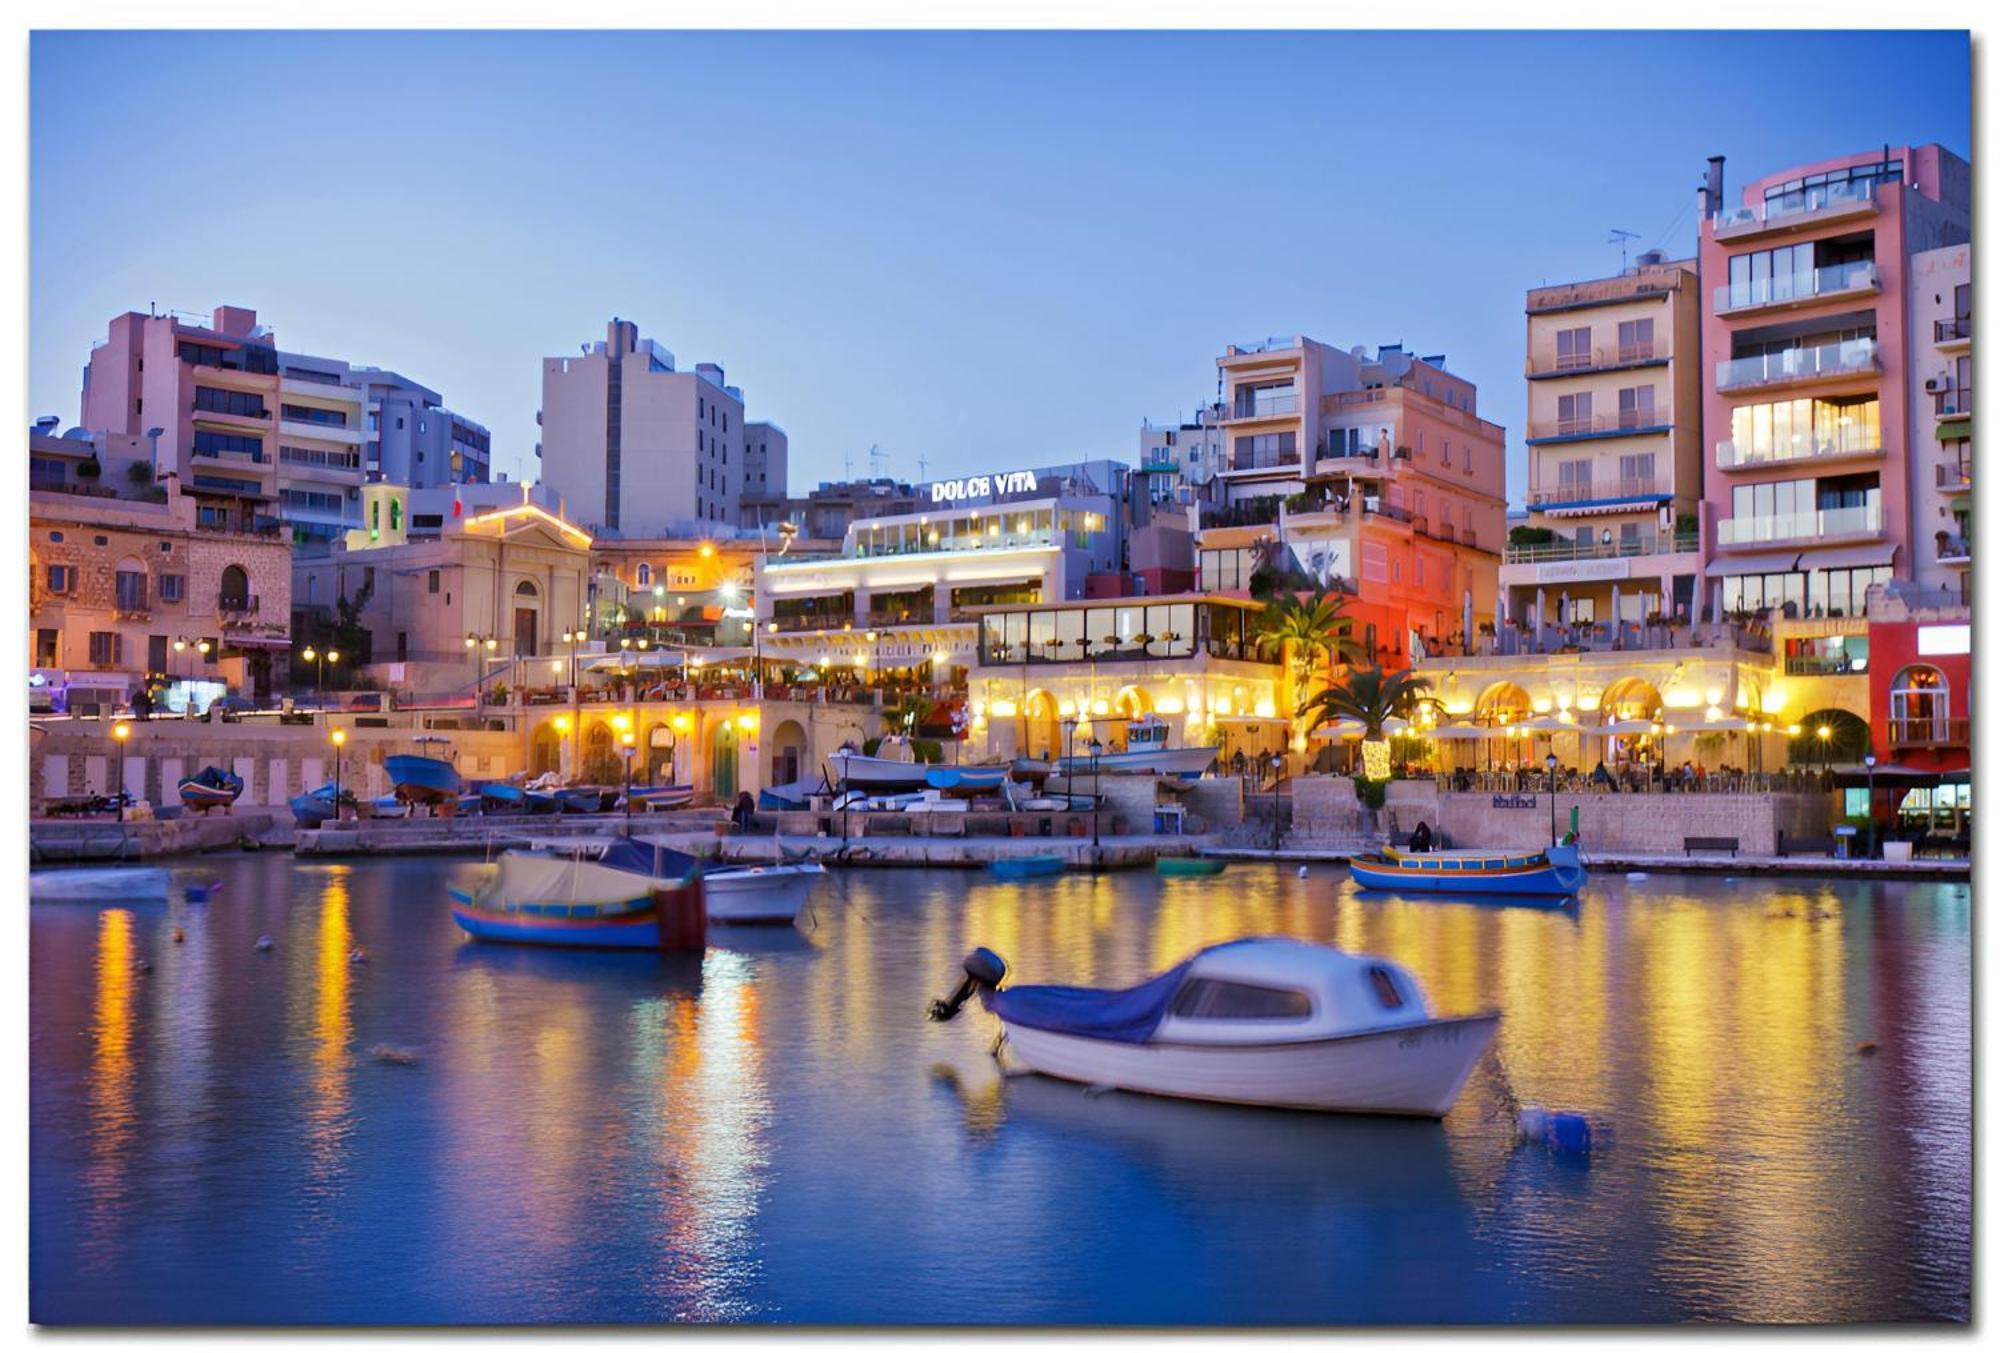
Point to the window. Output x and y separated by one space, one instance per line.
431 582
223 443
1572 414
105 649
48 650
1211 998
1635 407
238 403
130 585
173 586
645 575
1635 473
235 590
1919 704
1572 348
62 579
1635 340
1384 983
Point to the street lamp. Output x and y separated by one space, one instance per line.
1069 746
120 731
1549 761
1096 749
473 643
628 744
339 740
319 658
1277 776
1868 760
1825 735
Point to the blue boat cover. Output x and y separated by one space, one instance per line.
653 862
1127 1016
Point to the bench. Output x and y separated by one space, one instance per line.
1807 845
1693 843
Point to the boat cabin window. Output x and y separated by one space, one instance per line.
1384 983
1207 998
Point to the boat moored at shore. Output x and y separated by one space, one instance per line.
1555 872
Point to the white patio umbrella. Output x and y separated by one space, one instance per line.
1339 728
1628 727
1462 732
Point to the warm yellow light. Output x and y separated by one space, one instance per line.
1543 705
121 731
1067 709
180 645
492 644
746 722
682 723
1222 705
1714 711
555 664
940 659
203 647
628 738
621 722
707 550
1267 709
1100 707
1794 730
311 654
1375 759
1003 709
1823 732
1168 704
562 723
339 737
333 655
771 628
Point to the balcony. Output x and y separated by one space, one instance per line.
1273 406
1610 357
1345 452
1954 551
231 457
806 624
1568 551
1925 733
1590 493
1625 423
1954 478
1249 512
1262 460
1793 366
1790 291
1800 210
1730 456
1952 333
1956 403
237 610
1812 525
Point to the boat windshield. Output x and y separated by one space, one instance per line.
1212 998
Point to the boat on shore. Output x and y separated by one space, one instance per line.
1031 770
660 798
878 774
585 799
315 806
965 782
97 885
210 787
1268 1021
1557 871
498 795
422 779
1027 866
568 901
1146 753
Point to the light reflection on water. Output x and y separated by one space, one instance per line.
773 1132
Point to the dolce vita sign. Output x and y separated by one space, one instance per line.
982 486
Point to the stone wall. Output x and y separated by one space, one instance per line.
1638 824
1325 807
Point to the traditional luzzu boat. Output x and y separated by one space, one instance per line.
585 799
571 902
314 807
422 779
965 782
1146 753
659 798
761 894
1027 866
1269 1021
1555 872
210 787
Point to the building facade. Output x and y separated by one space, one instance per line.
1940 425
767 454
128 588
1814 491
637 447
1614 448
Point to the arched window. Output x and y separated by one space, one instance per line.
524 588
1919 703
645 575
395 514
235 591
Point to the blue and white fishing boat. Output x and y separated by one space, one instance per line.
422 779
1146 753
585 798
210 787
879 774
498 795
659 798
314 806
965 782
1554 872
632 897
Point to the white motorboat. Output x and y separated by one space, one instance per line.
879 773
759 894
1146 753
1268 1021
97 885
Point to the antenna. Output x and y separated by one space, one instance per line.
876 457
1621 238
923 468
847 466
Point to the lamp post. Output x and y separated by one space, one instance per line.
1069 746
121 731
474 643
1277 777
1825 735
1549 762
339 740
319 658
1868 760
628 744
1096 749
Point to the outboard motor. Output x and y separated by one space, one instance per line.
983 968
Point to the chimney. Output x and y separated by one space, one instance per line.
1713 206
234 320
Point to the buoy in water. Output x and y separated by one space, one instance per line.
1565 1134
143 966
359 955
264 944
178 936
1302 871
1866 1047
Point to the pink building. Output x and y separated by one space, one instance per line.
1811 375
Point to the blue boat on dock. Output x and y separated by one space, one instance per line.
585 799
210 787
1017 867
965 782
498 794
314 807
422 779
1555 872
659 798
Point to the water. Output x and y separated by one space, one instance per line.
775 1133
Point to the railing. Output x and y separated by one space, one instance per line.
796 624
1955 330
1809 284
1953 548
242 457
237 605
1954 478
1276 406
1523 639
877 546
1953 403
1590 492
1249 512
1854 356
1264 460
1816 665
1930 732
1346 452
1601 425
1566 551
1608 357
1828 197
1730 456
1832 521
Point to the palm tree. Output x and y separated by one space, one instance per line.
1315 624
1371 697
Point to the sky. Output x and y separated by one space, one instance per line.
977 251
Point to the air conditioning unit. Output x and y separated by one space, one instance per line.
1934 384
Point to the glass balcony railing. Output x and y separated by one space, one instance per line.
1566 551
1639 486
1958 330
1838 280
1600 425
1795 206
1809 525
1852 357
1268 406
1743 455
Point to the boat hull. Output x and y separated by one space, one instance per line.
1556 876
1186 763
97 885
422 779
639 930
502 796
663 797
1187 866
966 782
759 895
1028 867
313 808
1415 1070
874 773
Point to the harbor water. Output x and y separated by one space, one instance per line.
374 1120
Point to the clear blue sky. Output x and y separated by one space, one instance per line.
988 250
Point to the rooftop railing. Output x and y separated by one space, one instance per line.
1592 491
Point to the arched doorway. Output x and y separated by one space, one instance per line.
788 753
660 745
1829 737
527 611
722 767
1629 701
1502 703
600 758
1044 731
545 751
1130 703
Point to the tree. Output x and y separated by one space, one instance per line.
1371 697
1315 625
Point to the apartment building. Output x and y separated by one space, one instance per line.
1815 489
637 447
1940 425
1180 460
413 439
1374 475
1614 448
766 465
